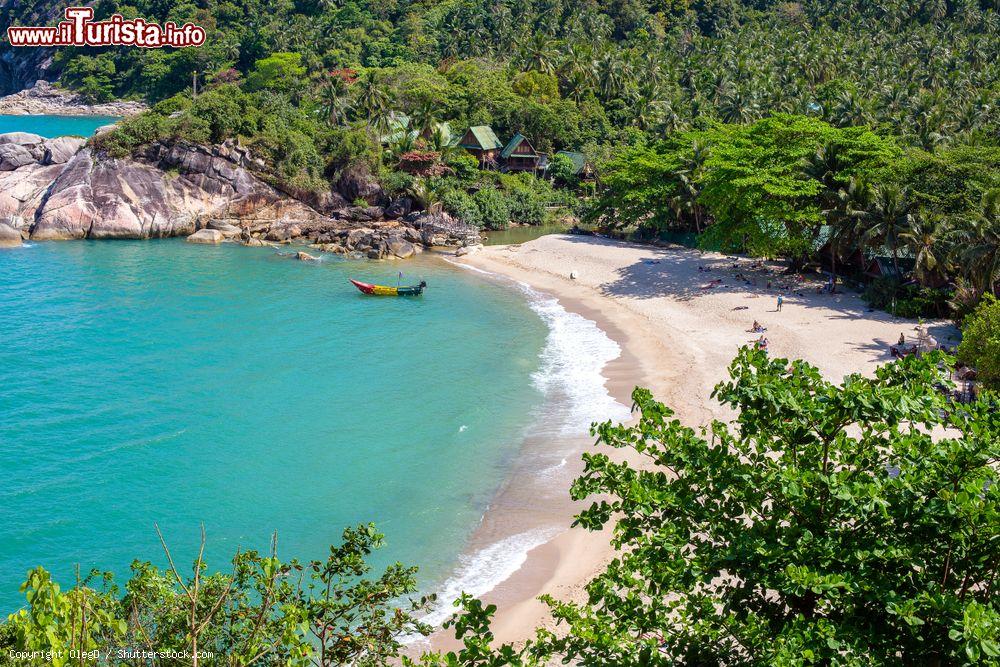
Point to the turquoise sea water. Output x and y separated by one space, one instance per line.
54 126
159 381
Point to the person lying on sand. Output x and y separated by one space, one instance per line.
757 328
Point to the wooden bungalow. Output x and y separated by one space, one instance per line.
520 155
482 142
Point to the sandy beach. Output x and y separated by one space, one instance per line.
680 316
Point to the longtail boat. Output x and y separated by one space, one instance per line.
384 290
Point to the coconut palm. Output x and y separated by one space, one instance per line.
424 118
372 101
981 245
889 215
923 238
335 100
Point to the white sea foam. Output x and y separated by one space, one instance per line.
480 572
575 354
570 376
573 359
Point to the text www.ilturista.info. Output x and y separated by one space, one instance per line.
79 29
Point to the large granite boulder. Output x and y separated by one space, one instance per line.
208 236
400 247
9 237
357 182
21 138
14 156
61 149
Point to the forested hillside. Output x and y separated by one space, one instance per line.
656 96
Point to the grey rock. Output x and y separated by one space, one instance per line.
21 138
228 230
401 248
9 237
210 236
15 156
357 182
61 149
399 208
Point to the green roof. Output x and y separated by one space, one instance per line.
485 136
579 160
514 142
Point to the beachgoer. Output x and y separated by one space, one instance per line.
902 339
781 301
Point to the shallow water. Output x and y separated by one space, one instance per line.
158 381
54 126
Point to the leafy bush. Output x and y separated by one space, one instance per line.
492 208
132 133
396 183
262 611
461 205
464 166
562 169
906 300
980 346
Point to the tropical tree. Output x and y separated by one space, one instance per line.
830 524
924 238
335 100
890 214
265 611
980 245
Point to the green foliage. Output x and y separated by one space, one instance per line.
907 300
464 166
562 170
92 77
825 526
493 211
757 191
980 346
461 205
264 611
280 72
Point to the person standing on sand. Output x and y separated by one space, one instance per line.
781 300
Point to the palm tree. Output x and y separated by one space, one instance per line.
890 215
372 101
981 245
923 237
845 217
334 100
424 118
539 53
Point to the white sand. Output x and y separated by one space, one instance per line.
677 339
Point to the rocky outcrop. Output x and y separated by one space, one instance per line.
357 183
9 237
52 189
20 67
45 98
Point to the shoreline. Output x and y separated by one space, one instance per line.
676 338
45 99
531 509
